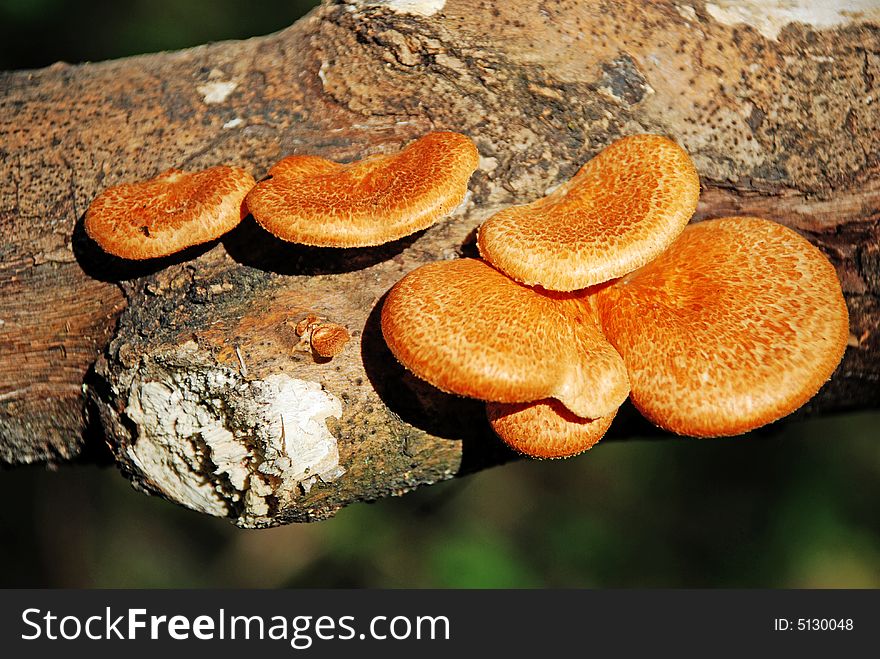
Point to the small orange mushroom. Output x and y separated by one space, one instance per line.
737 325
325 339
313 201
545 429
622 209
168 213
329 339
470 330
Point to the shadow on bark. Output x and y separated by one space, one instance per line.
250 245
100 265
425 407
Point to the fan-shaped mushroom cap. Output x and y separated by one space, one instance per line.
169 213
622 209
545 429
314 201
329 339
469 330
737 325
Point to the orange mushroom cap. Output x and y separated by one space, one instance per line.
329 339
319 202
737 325
168 213
545 429
622 209
470 330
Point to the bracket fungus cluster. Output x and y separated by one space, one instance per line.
303 199
599 291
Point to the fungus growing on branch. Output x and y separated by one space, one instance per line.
168 213
470 330
622 209
738 324
545 429
723 327
313 201
329 339
326 340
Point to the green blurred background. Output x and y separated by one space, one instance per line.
35 33
794 507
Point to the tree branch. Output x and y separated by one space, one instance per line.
779 118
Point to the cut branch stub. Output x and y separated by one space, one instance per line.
622 209
737 325
470 330
168 213
318 202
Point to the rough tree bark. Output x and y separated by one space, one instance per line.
190 367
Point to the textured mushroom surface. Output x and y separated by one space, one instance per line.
622 209
329 339
737 325
470 330
169 213
319 202
545 429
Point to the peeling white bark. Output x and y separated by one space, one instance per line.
225 446
769 18
216 92
418 7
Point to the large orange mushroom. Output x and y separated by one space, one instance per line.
313 201
622 209
169 213
738 324
470 330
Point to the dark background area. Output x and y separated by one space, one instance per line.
35 33
792 506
